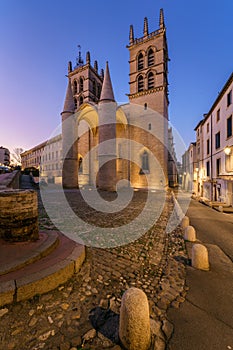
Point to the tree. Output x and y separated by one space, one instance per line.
16 156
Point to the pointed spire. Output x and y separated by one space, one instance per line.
102 73
69 66
88 57
69 105
145 30
161 19
131 35
96 66
107 90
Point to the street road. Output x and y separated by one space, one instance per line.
212 226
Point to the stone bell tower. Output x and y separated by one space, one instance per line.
148 68
148 84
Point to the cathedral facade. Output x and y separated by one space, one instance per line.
110 145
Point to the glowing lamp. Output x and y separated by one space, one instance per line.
227 150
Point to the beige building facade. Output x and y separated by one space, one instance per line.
214 149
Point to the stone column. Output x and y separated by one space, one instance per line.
69 151
107 150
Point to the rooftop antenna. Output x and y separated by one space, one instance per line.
79 60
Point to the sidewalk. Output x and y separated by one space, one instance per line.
205 319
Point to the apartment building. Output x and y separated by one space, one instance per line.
51 160
32 157
4 156
214 149
190 168
46 157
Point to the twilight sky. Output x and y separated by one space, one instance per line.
38 38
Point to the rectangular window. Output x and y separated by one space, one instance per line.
208 127
218 166
208 146
218 115
208 168
217 140
229 126
229 98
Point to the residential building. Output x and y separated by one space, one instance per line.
4 156
51 160
47 158
32 158
214 135
190 169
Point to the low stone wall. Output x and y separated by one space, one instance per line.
18 215
10 180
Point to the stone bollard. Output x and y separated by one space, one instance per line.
134 329
200 258
190 234
184 222
18 215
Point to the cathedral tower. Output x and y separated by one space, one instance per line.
86 81
149 89
148 68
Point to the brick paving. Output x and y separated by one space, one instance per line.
63 319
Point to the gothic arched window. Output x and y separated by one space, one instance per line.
140 83
75 103
75 87
151 80
80 84
140 61
80 100
80 164
151 58
145 161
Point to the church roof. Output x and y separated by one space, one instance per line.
69 105
107 90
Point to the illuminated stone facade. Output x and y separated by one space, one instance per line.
132 139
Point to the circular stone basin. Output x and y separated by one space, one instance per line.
18 215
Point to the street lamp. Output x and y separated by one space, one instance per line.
227 150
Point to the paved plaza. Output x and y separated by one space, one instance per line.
84 313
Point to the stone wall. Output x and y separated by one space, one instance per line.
10 180
18 215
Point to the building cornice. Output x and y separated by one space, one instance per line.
145 39
145 92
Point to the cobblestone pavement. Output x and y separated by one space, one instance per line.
84 313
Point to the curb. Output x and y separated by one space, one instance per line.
49 243
42 281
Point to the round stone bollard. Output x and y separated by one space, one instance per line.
18 215
134 329
184 222
200 259
190 234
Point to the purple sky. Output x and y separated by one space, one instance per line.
38 38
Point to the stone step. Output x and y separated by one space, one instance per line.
43 275
16 255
